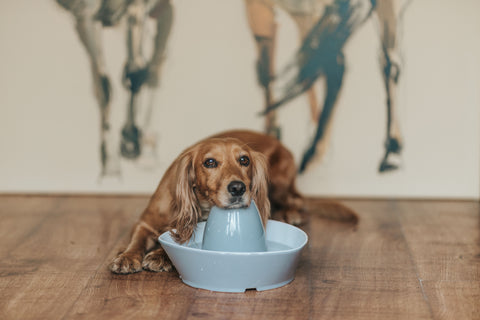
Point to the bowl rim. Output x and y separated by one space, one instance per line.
166 239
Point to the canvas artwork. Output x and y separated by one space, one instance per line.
336 80
90 17
324 28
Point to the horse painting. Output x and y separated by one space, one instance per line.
91 16
324 28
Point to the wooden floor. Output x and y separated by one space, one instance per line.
405 260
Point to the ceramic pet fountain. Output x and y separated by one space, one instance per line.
232 252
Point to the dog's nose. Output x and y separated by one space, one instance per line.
236 188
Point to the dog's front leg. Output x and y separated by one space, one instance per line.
130 260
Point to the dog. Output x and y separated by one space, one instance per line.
227 170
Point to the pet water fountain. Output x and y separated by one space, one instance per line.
232 252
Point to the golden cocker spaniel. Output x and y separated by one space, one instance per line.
227 170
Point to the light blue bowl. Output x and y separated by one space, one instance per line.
238 271
234 230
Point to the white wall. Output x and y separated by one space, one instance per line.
49 132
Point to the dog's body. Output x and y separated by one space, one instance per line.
227 170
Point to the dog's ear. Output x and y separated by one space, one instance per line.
260 185
185 208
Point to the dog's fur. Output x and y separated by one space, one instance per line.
227 170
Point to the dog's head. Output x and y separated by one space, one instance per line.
218 172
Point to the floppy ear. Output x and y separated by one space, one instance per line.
185 208
260 185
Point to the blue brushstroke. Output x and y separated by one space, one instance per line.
321 54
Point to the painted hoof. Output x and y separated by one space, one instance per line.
385 166
391 162
130 146
393 145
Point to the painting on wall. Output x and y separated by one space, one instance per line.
352 87
324 28
90 17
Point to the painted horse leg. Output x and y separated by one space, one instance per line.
162 13
261 18
89 32
135 75
387 14
305 23
334 71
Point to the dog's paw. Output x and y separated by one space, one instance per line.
157 261
126 263
292 217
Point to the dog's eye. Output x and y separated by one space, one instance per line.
210 163
244 161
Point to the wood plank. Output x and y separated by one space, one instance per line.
61 255
444 238
141 295
20 216
405 260
366 273
454 299
374 250
363 299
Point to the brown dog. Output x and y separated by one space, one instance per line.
227 170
